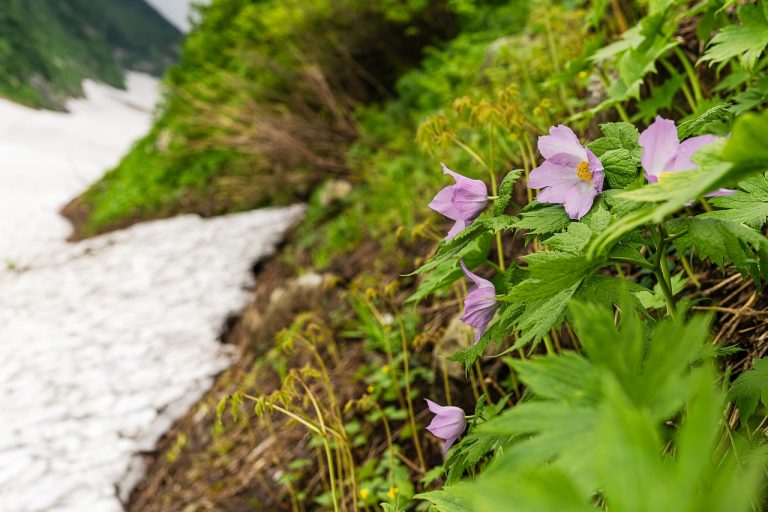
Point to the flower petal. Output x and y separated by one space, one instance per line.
686 150
561 139
551 173
579 199
596 166
457 228
443 203
659 142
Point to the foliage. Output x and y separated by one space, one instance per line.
48 47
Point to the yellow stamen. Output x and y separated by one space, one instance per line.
583 172
663 175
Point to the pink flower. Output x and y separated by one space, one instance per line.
571 174
461 202
663 153
480 304
448 424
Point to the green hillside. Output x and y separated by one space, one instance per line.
48 47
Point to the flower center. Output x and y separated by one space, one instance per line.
583 172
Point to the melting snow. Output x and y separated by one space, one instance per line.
104 343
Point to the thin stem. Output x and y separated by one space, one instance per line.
661 270
527 165
632 261
548 344
471 152
689 270
692 77
408 400
494 188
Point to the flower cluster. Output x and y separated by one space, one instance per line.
571 175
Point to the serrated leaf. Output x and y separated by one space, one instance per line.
568 377
720 164
722 241
749 388
654 299
746 41
553 279
450 499
698 124
747 206
543 221
448 268
616 136
506 189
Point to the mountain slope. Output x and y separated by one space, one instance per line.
48 47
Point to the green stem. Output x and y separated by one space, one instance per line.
662 270
622 113
408 400
632 261
495 190
548 344
692 77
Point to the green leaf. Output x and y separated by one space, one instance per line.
447 269
506 189
749 388
747 206
655 299
553 279
747 148
450 499
544 220
721 164
568 377
619 152
698 125
661 98
746 41
722 241
616 136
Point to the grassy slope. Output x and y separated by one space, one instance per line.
48 47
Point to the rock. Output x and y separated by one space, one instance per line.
333 191
457 336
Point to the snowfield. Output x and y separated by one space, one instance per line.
103 343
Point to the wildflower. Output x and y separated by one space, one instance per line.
364 493
448 424
392 492
385 369
461 202
480 304
571 174
663 153
370 389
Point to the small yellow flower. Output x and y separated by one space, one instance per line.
364 493
583 74
371 389
392 492
385 368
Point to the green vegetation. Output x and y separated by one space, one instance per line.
48 47
615 370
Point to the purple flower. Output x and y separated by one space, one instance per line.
448 423
663 153
571 174
480 304
461 202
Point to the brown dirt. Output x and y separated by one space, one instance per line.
237 469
